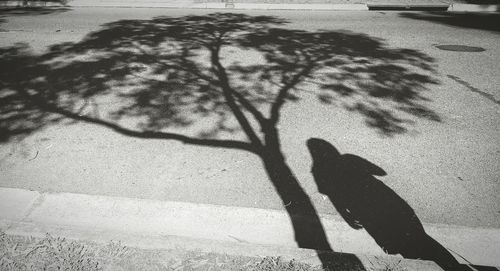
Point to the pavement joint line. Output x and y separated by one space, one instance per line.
221 223
17 204
35 204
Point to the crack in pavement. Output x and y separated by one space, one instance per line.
474 89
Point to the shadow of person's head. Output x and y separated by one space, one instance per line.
327 160
321 150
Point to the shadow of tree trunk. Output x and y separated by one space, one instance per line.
309 232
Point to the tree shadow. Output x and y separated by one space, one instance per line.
363 201
482 21
224 79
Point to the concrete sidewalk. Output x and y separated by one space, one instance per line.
359 5
159 224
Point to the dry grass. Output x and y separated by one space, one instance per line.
55 253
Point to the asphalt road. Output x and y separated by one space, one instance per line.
447 171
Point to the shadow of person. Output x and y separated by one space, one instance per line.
363 201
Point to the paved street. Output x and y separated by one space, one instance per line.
446 170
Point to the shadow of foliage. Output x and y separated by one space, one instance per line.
19 116
159 71
482 21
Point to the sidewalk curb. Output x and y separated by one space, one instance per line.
269 6
406 7
25 212
474 8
